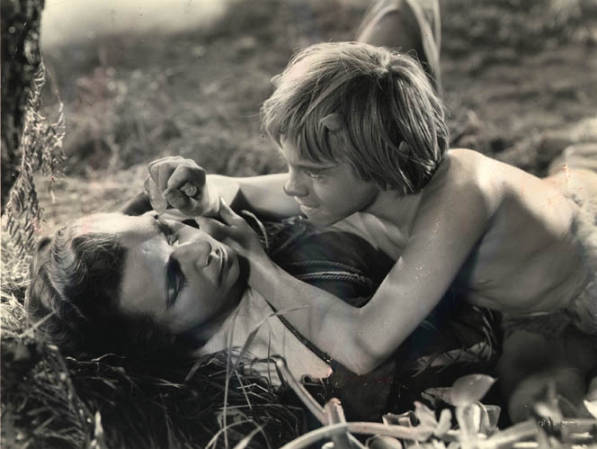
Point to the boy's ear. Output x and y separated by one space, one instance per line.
333 122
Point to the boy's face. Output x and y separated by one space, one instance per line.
326 192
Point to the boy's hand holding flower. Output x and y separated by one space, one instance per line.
180 183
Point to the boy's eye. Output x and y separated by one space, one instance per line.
314 174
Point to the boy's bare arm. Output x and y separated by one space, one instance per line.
262 194
175 182
444 233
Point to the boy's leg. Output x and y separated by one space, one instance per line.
592 390
581 156
411 26
532 361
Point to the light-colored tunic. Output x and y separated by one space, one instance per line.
272 337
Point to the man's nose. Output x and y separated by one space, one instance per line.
195 253
295 186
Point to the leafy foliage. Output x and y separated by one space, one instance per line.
41 151
192 109
475 426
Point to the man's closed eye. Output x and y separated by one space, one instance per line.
175 281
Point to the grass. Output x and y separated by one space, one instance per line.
130 99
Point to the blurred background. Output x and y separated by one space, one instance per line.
141 79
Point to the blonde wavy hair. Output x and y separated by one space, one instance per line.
370 107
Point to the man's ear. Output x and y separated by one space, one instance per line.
333 122
43 243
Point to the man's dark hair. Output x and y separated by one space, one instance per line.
74 295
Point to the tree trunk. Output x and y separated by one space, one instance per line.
20 60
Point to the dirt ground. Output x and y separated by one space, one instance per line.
519 78
520 82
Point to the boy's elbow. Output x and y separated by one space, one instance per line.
362 367
357 345
363 357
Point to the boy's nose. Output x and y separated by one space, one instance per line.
294 186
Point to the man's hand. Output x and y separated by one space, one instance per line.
180 183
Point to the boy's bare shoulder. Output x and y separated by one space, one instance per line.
468 159
463 168
475 164
466 173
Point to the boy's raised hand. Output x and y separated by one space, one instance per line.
179 183
234 231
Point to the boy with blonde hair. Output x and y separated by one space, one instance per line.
365 139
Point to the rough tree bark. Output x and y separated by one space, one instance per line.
20 60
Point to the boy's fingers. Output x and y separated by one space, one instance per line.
164 159
227 214
212 227
151 167
154 166
178 200
158 202
185 173
164 172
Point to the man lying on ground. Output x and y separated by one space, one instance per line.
145 285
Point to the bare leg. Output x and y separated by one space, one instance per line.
410 26
531 362
575 174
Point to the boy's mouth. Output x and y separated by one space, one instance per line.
307 210
305 205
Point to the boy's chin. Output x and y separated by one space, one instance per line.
321 218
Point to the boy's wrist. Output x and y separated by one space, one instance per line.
261 268
225 187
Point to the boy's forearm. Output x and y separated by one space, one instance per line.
261 194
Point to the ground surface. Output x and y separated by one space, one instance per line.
520 80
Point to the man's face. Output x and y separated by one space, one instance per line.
326 192
174 273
